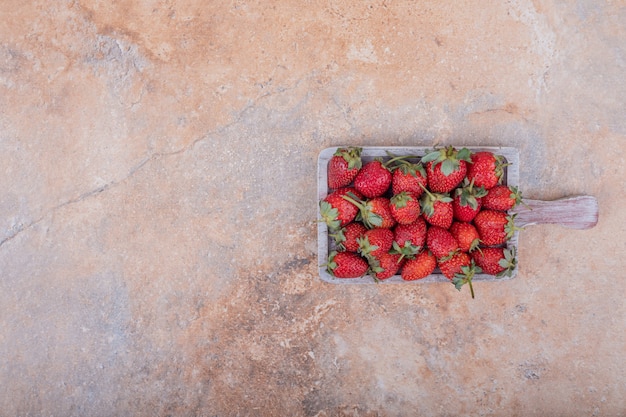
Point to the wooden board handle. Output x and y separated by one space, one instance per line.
580 212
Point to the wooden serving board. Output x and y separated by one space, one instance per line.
579 212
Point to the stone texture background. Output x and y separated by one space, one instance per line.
158 207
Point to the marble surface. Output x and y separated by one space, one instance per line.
158 207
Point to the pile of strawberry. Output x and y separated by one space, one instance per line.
409 215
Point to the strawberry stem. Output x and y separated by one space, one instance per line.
352 200
426 190
465 277
397 158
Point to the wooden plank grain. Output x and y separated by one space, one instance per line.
577 212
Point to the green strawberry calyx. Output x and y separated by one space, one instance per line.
500 163
509 262
401 199
331 265
352 156
468 195
428 200
510 228
516 195
339 237
329 215
374 266
465 277
365 247
448 157
408 250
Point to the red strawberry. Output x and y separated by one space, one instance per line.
414 234
466 234
437 209
375 242
373 179
346 265
336 212
446 168
496 261
343 167
345 238
494 227
465 276
486 169
375 212
502 198
409 177
441 242
419 267
385 265
405 208
467 201
452 265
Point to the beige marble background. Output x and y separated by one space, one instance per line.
158 207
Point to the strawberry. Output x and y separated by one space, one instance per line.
452 265
373 179
346 237
466 234
486 169
441 242
419 267
496 261
446 168
405 208
494 227
467 201
375 242
414 234
335 211
408 177
502 198
346 265
374 213
343 167
385 265
437 209
465 276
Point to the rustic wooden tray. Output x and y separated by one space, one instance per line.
579 212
